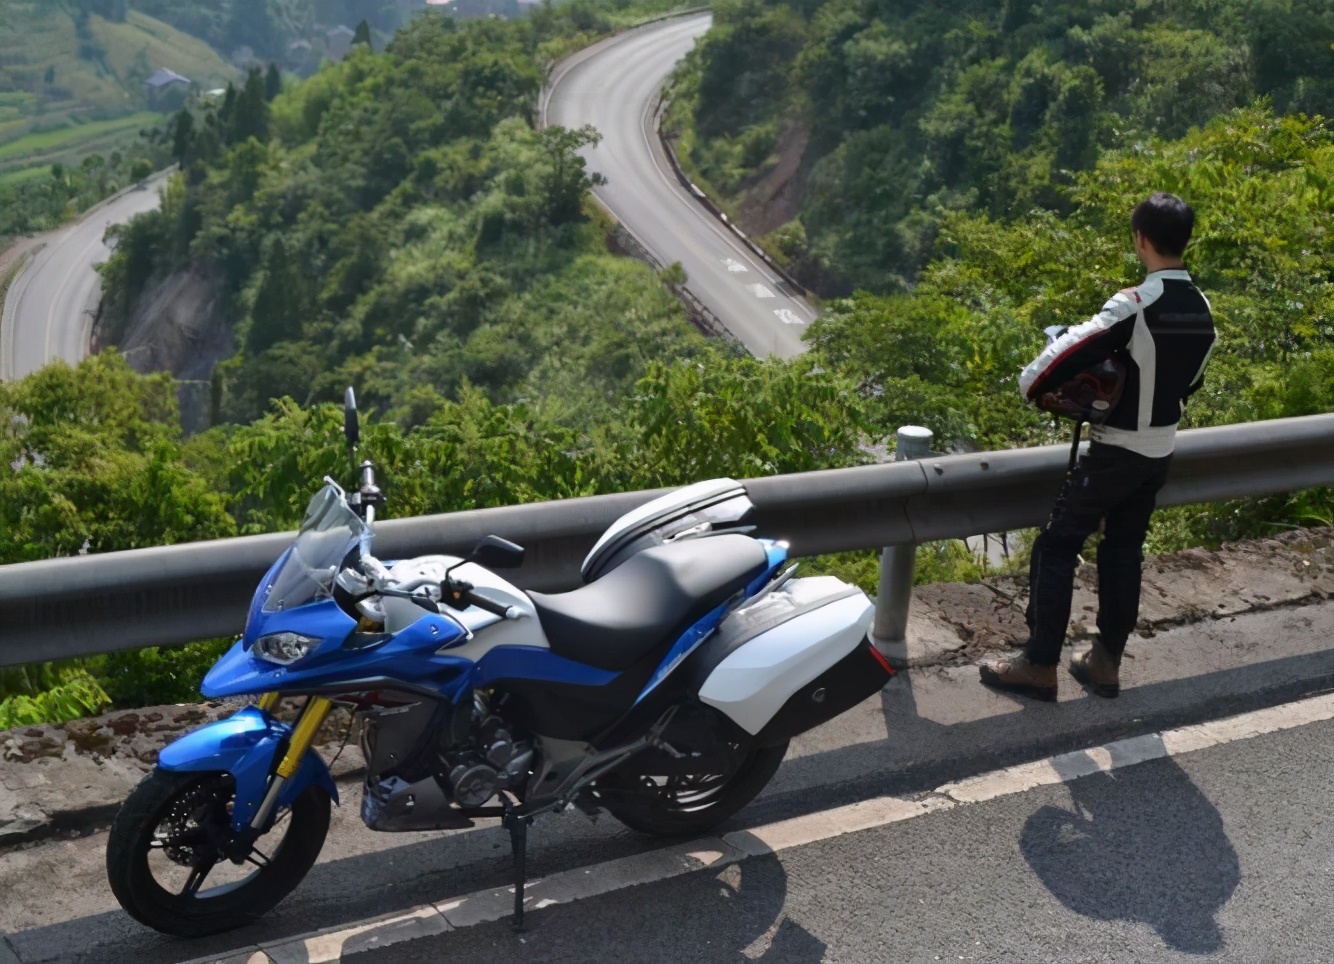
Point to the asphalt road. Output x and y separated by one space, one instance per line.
614 86
49 311
1223 854
925 729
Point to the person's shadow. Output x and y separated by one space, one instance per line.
1138 844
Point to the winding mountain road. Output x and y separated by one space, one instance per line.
49 311
614 86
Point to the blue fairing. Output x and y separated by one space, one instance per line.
531 662
696 634
410 655
244 745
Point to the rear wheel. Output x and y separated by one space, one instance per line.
171 848
682 805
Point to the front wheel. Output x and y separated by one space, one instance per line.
170 854
689 805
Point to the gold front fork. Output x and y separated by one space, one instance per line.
302 736
268 702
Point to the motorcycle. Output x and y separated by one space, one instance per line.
663 691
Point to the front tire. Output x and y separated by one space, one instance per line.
686 806
165 859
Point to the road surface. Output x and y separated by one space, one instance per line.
614 86
920 887
1220 854
49 311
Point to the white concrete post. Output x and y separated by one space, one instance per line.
889 632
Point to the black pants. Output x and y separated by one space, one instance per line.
1109 483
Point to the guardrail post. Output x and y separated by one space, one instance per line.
889 632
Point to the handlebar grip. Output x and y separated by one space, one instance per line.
490 605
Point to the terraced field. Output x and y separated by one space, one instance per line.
71 86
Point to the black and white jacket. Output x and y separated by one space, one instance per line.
1167 332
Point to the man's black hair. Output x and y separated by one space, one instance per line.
1166 221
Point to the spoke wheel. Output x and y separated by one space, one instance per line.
689 804
174 864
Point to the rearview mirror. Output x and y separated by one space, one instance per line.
351 427
494 552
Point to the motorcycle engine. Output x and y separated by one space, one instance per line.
495 761
427 759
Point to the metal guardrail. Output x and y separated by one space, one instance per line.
83 605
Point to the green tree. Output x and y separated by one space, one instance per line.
250 116
280 307
273 82
95 465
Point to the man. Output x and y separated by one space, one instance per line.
1165 332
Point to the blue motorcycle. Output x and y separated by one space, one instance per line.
664 691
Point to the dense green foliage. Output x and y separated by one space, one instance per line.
916 109
48 694
95 465
946 355
48 198
396 222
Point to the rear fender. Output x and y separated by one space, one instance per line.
245 745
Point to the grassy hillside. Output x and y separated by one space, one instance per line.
61 70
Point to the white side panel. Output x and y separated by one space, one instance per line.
489 630
753 683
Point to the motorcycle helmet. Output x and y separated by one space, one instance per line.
1090 396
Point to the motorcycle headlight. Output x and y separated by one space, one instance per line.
284 648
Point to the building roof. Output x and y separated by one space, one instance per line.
162 77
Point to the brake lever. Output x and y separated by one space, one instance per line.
423 602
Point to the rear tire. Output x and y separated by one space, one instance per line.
180 820
689 806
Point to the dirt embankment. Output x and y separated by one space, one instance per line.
774 197
178 327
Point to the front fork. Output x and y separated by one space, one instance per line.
303 734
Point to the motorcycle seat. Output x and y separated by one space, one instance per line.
648 601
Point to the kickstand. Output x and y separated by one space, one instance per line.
518 828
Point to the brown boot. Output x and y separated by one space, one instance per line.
1016 674
1098 670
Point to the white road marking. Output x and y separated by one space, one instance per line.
788 317
714 853
760 291
734 266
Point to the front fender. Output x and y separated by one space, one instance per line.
244 745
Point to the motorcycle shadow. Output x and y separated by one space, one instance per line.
730 915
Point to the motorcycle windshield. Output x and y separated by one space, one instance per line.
329 532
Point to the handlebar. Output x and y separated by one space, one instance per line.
375 578
491 606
